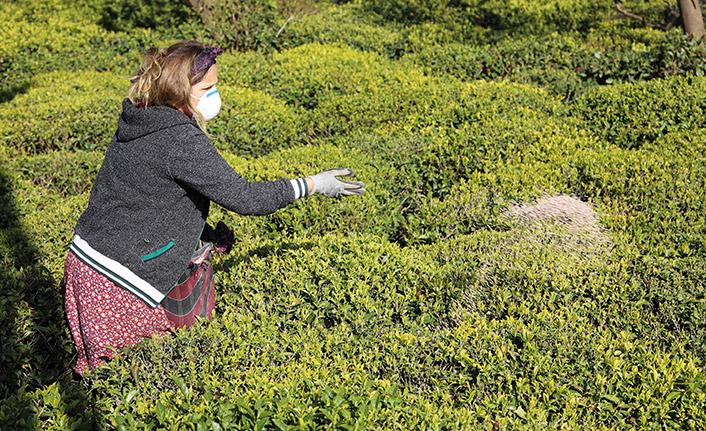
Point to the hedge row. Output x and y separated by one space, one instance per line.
567 65
45 37
564 63
520 17
424 138
457 335
63 111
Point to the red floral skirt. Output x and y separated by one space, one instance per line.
104 317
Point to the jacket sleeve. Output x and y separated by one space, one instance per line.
194 162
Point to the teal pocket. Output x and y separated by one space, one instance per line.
156 253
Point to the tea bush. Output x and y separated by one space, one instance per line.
529 17
460 334
426 303
314 215
254 123
564 64
630 116
62 111
411 12
330 87
344 25
519 17
655 204
35 347
130 15
29 48
525 17
252 24
64 173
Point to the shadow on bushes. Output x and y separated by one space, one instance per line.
7 94
36 382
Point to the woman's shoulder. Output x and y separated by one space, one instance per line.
156 123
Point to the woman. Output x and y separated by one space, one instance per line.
139 262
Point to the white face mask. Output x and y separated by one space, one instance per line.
209 104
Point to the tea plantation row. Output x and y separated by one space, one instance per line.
424 304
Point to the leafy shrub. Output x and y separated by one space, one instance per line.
550 62
64 110
660 211
434 331
314 215
524 17
242 69
630 116
34 235
129 15
672 54
478 129
563 64
335 88
652 200
412 12
254 123
532 17
305 75
63 173
343 25
35 349
503 18
62 43
55 406
342 90
462 127
251 24
39 11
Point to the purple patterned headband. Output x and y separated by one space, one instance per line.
205 59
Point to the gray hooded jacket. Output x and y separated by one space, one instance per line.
151 197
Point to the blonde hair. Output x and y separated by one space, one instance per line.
164 78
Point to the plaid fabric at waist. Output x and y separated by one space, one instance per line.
194 293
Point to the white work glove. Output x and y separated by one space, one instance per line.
326 183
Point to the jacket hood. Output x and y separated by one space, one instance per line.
138 122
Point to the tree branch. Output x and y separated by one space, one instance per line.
664 26
283 25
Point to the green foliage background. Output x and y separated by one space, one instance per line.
420 305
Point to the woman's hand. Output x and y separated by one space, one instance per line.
325 183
